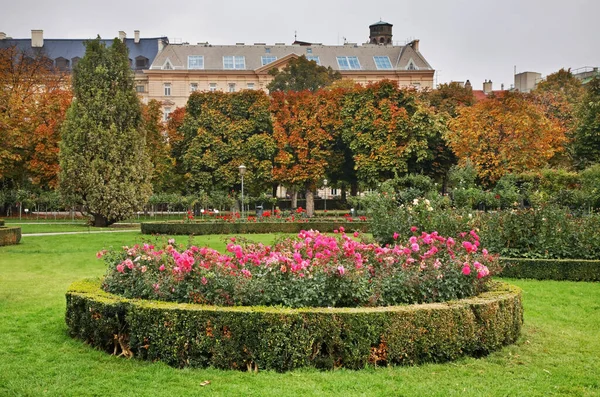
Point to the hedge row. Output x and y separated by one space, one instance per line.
10 235
552 269
281 339
202 228
1 222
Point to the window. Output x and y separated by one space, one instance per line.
62 64
234 62
74 61
166 113
231 87
250 86
195 62
309 50
167 65
382 62
267 50
411 65
167 87
314 58
348 63
141 62
193 87
140 88
267 59
212 87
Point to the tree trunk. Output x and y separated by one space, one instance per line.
294 192
310 203
100 221
354 189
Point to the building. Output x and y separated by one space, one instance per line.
586 74
527 81
180 69
65 53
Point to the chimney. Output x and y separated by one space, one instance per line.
2 35
487 87
37 38
468 85
136 34
122 35
161 45
502 86
415 45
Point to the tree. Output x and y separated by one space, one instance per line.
507 134
301 74
104 164
586 142
33 103
449 97
304 127
389 131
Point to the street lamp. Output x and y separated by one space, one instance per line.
325 201
242 169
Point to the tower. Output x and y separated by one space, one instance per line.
380 33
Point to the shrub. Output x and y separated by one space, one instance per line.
283 339
313 270
202 228
10 235
552 269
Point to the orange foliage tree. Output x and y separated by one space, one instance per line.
33 103
304 128
507 134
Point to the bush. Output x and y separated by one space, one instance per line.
282 339
10 235
313 270
202 228
552 269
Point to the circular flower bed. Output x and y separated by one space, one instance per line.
313 270
9 235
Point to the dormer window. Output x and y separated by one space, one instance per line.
167 65
141 62
267 59
62 64
234 62
382 62
348 63
195 62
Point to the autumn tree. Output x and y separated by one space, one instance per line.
33 103
301 74
389 131
586 142
507 134
103 159
304 128
450 97
220 132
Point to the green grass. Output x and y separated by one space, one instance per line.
558 353
57 227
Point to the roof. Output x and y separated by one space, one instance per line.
399 56
480 95
381 23
72 48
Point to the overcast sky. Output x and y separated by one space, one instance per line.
461 39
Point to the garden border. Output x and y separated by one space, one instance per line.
10 235
203 228
283 339
552 269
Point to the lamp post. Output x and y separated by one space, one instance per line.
242 169
325 200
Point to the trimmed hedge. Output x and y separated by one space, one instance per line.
1 222
282 339
552 269
10 235
201 228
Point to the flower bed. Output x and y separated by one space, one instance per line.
248 227
312 270
283 339
10 235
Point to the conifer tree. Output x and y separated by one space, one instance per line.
104 166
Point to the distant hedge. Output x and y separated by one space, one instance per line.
10 235
552 269
1 222
201 228
281 339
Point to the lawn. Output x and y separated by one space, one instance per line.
558 354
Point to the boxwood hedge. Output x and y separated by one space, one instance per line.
10 235
552 269
201 228
281 339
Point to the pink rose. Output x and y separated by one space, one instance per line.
414 229
396 235
466 270
341 270
121 268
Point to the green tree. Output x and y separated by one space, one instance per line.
586 143
104 165
301 74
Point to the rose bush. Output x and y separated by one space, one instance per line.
312 270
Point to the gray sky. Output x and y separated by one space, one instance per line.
461 39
